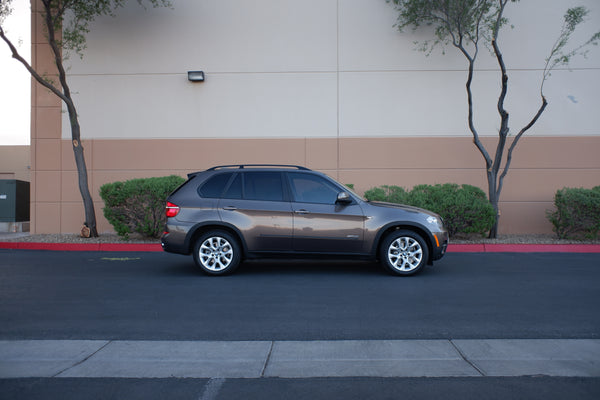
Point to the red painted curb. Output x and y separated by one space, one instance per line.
523 248
82 246
130 247
466 248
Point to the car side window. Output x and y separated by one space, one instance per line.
235 189
214 186
308 188
263 186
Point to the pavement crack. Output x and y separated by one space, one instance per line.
262 373
475 367
84 360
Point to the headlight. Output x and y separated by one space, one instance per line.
432 220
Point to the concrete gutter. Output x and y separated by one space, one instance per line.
299 359
452 248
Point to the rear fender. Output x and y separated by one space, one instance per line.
198 229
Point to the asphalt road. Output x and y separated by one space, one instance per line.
530 388
159 296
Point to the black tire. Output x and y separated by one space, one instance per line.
404 252
217 252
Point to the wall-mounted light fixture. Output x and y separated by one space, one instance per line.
196 76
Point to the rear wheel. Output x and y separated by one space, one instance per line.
404 252
217 253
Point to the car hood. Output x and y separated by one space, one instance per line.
400 206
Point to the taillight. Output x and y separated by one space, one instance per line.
172 210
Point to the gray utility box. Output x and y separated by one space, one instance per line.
14 200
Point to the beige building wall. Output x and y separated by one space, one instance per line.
46 141
543 165
15 162
348 97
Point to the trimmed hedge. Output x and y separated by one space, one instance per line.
464 208
577 214
390 194
138 205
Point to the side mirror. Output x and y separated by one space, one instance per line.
343 198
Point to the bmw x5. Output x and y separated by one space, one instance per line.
234 212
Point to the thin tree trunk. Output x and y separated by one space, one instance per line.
88 203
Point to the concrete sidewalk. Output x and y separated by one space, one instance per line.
299 359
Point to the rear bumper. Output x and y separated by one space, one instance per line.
173 246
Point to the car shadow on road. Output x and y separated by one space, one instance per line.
290 267
311 267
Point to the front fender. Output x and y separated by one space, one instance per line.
414 226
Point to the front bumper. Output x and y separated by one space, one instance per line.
440 246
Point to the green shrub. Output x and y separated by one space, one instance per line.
138 205
577 213
464 208
390 194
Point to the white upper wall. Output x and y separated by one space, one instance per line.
316 68
15 80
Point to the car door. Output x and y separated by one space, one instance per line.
255 202
321 224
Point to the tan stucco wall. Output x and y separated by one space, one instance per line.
541 166
15 162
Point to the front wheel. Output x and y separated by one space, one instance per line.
404 252
217 253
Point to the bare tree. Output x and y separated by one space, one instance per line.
66 23
467 25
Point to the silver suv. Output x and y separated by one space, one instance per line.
229 213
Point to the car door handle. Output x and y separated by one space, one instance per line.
302 212
230 208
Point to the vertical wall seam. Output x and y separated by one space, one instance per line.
337 72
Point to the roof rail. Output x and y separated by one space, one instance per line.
242 166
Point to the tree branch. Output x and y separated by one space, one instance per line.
504 116
503 132
33 72
476 140
62 75
516 140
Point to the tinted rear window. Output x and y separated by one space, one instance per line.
190 178
215 185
